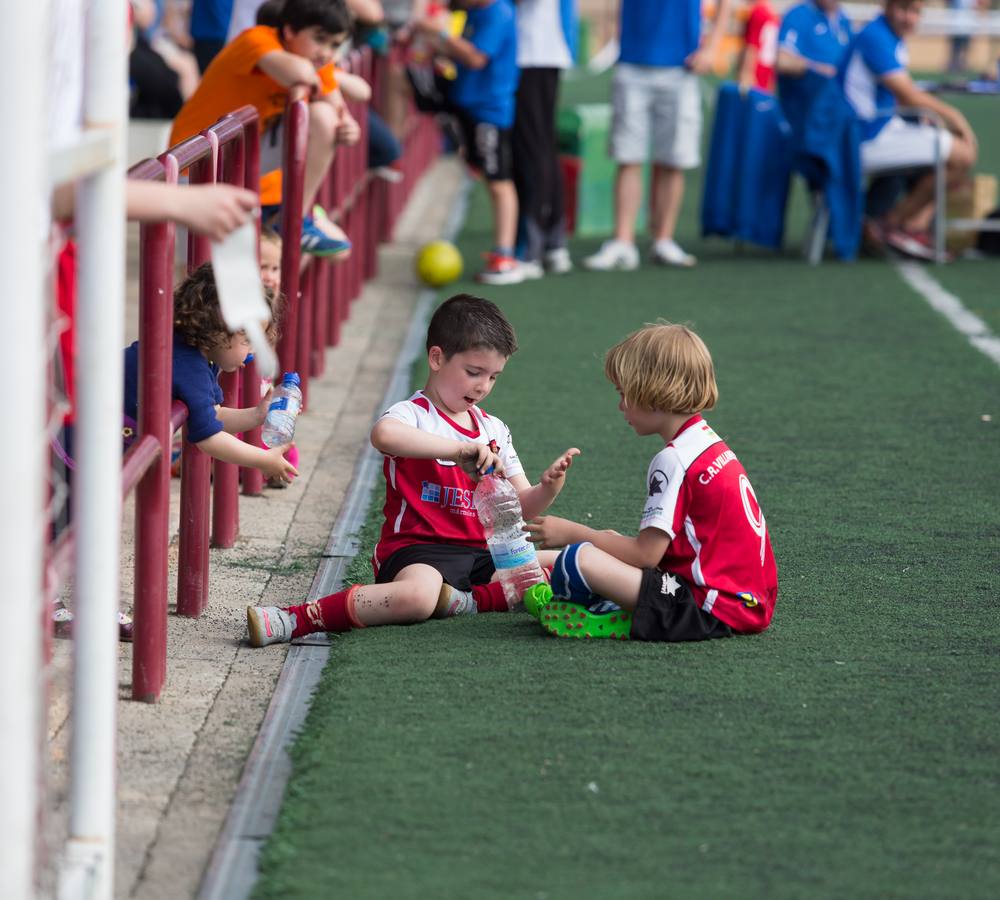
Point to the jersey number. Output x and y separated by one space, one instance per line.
756 520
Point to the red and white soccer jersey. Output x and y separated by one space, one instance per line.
699 494
429 501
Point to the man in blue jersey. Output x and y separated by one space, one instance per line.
656 100
814 37
876 80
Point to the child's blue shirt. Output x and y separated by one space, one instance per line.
195 383
659 32
487 94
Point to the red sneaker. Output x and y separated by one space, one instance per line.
916 245
500 270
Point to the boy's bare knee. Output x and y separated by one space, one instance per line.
415 603
322 120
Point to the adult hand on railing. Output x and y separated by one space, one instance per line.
213 210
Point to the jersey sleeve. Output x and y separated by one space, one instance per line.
664 495
327 78
245 52
755 25
198 389
511 463
404 412
791 33
880 53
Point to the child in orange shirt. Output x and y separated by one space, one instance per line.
258 68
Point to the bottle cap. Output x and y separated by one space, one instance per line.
249 358
291 378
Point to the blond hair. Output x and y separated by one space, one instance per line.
663 367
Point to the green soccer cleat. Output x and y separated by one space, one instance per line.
536 597
562 619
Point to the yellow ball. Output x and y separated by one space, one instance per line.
439 263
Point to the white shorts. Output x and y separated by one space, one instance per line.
904 145
659 107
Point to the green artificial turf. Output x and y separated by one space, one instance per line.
849 751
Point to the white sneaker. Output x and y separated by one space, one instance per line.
558 261
613 255
531 270
670 253
269 625
453 602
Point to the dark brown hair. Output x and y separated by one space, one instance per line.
198 316
465 322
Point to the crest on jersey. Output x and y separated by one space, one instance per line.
657 483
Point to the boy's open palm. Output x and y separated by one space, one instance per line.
557 471
276 466
476 459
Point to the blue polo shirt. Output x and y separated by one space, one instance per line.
809 32
195 383
659 32
876 52
487 94
812 34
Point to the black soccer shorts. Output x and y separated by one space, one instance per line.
667 611
461 567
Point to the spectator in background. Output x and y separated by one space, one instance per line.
258 68
958 60
482 99
545 36
876 80
813 38
656 99
760 48
209 27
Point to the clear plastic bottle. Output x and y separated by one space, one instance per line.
286 401
513 554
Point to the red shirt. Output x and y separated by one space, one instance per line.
699 494
762 35
429 501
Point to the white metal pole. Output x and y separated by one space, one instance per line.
24 185
100 223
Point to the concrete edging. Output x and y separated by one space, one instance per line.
232 870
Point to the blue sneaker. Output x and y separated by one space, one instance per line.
318 243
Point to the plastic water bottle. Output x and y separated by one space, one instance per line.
513 554
286 401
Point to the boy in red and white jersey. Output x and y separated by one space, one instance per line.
701 566
431 558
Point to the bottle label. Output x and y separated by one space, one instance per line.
288 404
512 555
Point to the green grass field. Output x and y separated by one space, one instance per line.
850 751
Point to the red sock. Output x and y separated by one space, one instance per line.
547 572
489 597
332 613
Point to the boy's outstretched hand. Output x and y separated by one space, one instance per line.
550 532
276 466
557 471
477 459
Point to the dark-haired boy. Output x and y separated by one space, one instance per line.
258 68
431 558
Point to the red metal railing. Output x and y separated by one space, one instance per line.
318 298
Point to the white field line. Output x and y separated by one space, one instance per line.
965 321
